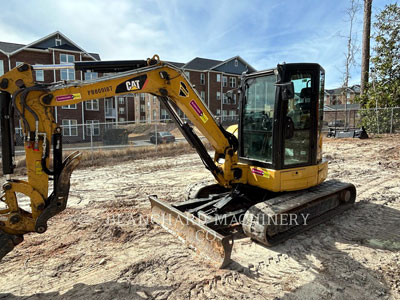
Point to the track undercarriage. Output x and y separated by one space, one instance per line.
208 220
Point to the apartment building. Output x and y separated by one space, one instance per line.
56 48
213 79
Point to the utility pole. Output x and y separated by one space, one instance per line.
366 45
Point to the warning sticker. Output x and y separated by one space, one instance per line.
183 90
198 110
260 172
69 97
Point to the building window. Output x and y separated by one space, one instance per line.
154 114
232 113
187 73
236 63
121 100
218 77
142 96
164 114
92 104
225 98
58 42
71 106
121 110
224 81
203 95
218 112
234 99
1 67
121 119
232 82
91 75
202 78
142 108
154 99
18 63
92 125
218 96
39 75
67 74
70 127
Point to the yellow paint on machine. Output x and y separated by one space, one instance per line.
288 179
38 168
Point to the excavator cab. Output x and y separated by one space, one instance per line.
279 124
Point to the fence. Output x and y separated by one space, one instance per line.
116 135
108 136
380 120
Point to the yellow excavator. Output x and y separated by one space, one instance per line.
269 172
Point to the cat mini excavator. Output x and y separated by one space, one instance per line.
269 173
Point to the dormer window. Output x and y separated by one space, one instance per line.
58 42
236 63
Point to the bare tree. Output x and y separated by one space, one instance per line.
352 49
366 45
351 38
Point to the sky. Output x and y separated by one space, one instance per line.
262 32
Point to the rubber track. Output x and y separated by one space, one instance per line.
324 197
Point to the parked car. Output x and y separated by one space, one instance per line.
161 137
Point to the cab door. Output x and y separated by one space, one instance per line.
299 118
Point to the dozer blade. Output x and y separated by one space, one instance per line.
205 241
269 222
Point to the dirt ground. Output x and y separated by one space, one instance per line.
102 248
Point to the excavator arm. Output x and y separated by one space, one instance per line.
33 104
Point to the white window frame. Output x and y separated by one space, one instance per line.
218 112
71 106
121 119
67 74
17 63
39 74
187 74
218 96
236 62
121 100
202 79
224 81
58 42
232 82
68 126
1 67
225 98
154 99
92 105
203 95
154 114
218 77
91 75
121 110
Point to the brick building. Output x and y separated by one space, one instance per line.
211 78
341 95
56 48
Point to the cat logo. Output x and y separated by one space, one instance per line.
133 84
183 91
